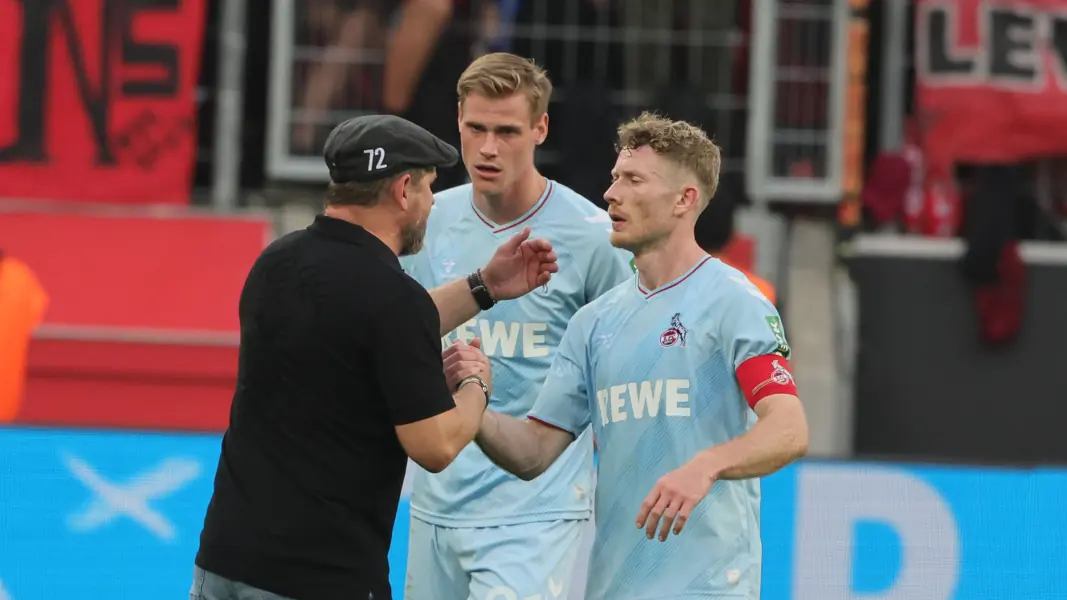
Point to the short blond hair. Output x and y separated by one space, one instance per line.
681 143
501 74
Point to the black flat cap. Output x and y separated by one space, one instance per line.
372 147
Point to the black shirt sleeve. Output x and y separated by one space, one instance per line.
406 341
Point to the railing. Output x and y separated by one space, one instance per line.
796 126
632 48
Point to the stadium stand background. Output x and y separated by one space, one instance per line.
106 469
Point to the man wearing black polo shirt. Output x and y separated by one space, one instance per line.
340 378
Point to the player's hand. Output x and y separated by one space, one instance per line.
519 266
672 499
465 359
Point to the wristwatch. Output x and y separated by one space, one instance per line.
477 380
479 291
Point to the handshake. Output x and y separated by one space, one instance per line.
466 359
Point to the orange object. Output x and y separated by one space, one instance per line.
762 284
22 305
739 252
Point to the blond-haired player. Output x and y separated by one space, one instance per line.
477 531
682 372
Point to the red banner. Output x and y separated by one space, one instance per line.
97 99
991 80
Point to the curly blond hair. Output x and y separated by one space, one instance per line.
501 74
681 143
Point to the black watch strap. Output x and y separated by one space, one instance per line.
479 291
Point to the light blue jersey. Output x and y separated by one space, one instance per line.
520 338
654 372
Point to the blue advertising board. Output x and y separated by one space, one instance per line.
115 515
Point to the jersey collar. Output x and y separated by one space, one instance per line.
648 294
524 218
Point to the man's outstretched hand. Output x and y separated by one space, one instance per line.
519 266
671 500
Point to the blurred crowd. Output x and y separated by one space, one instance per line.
613 58
609 58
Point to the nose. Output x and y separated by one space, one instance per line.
489 146
610 196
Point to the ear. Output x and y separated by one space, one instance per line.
541 129
688 201
398 190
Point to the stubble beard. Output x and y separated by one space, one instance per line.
412 237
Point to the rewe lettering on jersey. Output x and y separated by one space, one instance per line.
504 338
644 399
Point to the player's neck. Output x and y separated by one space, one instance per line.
515 201
375 222
659 266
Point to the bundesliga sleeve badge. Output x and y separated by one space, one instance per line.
775 324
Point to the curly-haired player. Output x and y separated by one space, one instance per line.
682 373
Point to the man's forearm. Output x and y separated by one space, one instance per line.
470 404
455 304
773 442
512 444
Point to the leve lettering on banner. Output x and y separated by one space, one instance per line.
97 99
991 80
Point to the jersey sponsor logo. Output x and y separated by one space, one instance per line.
448 266
775 324
779 375
644 399
506 339
675 334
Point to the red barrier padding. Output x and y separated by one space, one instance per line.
75 383
182 273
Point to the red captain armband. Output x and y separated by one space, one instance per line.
765 375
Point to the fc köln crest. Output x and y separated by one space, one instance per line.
779 375
675 334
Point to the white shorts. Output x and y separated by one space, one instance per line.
513 562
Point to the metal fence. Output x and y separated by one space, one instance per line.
690 56
799 78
